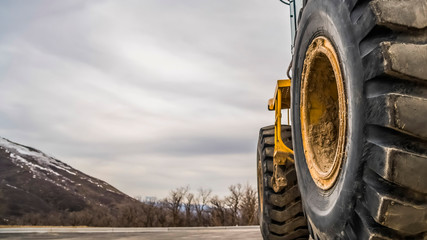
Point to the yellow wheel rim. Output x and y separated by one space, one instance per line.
323 113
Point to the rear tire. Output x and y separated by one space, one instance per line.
381 190
280 214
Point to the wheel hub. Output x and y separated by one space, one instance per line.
323 113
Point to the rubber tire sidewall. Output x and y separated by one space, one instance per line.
329 211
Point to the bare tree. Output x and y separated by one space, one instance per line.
234 201
162 214
218 212
174 202
249 206
201 202
189 197
128 215
149 209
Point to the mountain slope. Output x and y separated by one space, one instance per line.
32 182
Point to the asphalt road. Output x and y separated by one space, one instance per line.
247 233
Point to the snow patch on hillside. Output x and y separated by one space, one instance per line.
42 159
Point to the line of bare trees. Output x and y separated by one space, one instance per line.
185 208
181 208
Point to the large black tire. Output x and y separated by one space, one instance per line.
280 214
381 192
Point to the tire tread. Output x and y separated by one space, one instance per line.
393 49
283 217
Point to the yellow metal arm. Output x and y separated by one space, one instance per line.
281 100
282 153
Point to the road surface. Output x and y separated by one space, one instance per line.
243 233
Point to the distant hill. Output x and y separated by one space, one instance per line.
38 189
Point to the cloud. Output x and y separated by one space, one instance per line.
143 94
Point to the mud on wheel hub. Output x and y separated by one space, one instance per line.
323 112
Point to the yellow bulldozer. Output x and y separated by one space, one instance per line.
352 161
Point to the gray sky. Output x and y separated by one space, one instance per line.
147 95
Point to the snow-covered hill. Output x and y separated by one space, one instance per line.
33 182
